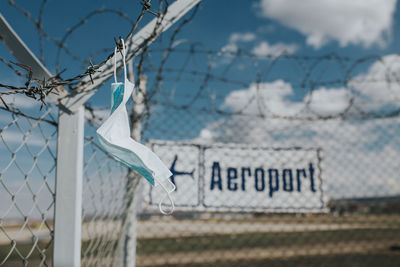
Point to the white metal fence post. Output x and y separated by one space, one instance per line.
68 203
127 243
138 110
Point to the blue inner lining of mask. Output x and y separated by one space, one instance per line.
117 95
128 158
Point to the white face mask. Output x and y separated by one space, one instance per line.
115 137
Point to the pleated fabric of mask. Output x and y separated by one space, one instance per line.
115 137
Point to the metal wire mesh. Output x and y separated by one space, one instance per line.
27 177
226 121
104 206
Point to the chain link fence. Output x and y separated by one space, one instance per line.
278 160
104 206
27 178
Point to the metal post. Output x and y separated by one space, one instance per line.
127 242
128 233
137 115
68 205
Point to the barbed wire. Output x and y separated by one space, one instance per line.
211 83
39 89
213 70
182 86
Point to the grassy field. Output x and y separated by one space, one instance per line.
34 259
376 246
264 240
364 247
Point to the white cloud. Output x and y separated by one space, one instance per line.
329 102
376 89
21 101
232 47
242 37
274 97
261 49
263 97
266 49
97 116
379 87
359 22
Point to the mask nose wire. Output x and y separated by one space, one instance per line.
168 194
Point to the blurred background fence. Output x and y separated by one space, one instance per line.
239 131
248 112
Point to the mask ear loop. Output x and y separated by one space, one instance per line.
115 65
123 57
163 211
123 60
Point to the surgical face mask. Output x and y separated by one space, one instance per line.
115 137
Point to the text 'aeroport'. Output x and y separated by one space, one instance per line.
270 179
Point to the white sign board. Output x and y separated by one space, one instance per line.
228 177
